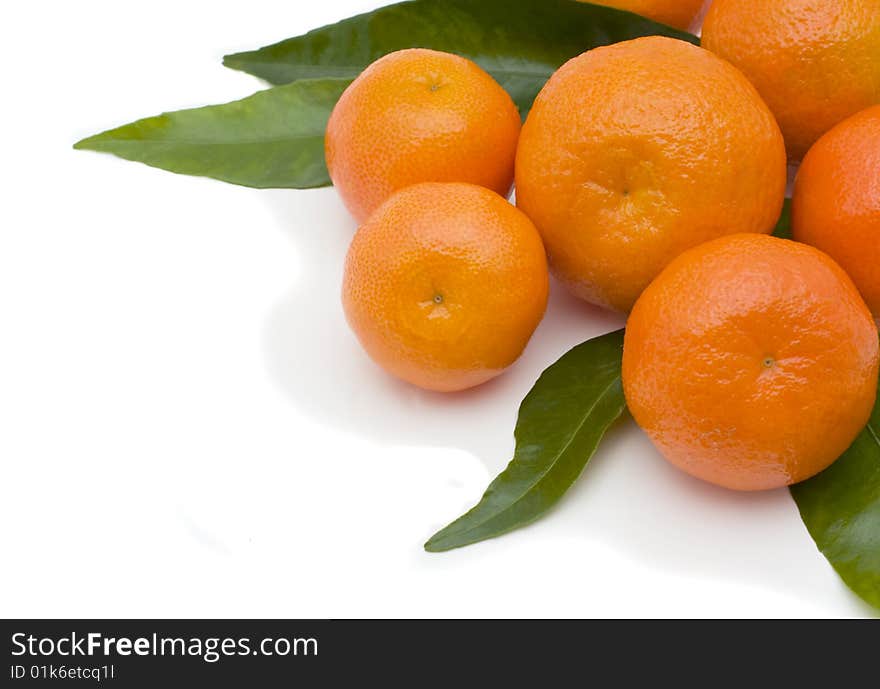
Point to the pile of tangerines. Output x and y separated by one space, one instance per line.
649 175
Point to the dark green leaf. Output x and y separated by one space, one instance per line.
783 227
561 422
841 508
519 42
274 138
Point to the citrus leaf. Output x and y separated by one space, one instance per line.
783 226
560 424
841 509
274 138
519 42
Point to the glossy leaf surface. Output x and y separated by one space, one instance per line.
519 42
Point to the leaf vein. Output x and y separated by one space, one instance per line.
188 142
357 69
873 433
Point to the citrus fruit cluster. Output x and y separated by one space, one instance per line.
648 176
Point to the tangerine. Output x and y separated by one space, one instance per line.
751 362
634 152
419 116
677 13
836 201
815 62
445 284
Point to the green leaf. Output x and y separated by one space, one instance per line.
561 422
783 227
274 138
519 42
841 509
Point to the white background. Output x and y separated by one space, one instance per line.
187 427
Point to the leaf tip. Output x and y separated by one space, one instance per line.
83 144
95 142
233 61
440 542
437 547
431 546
